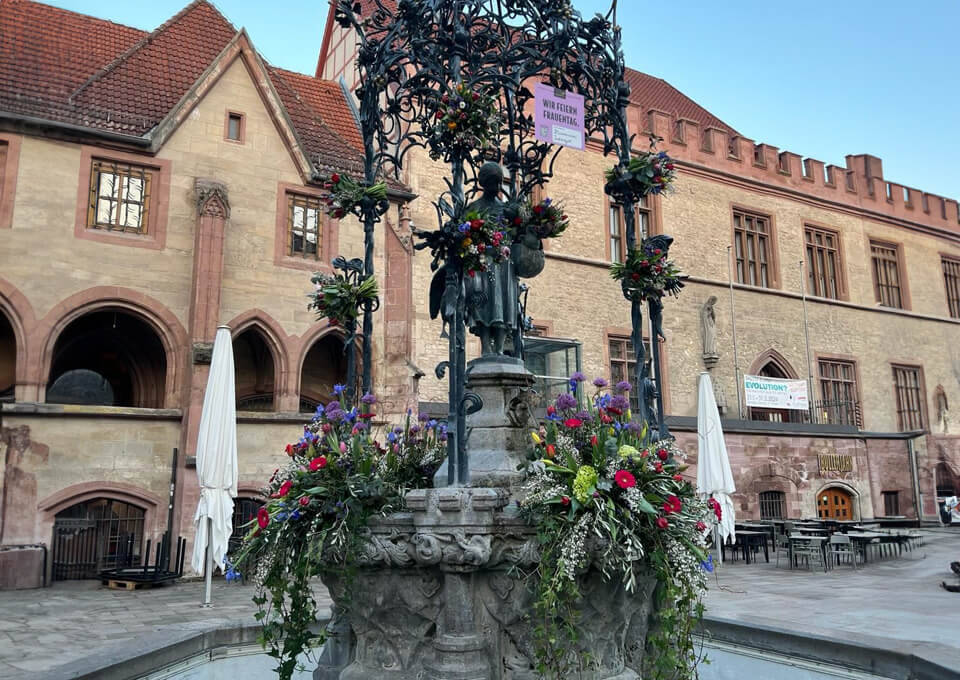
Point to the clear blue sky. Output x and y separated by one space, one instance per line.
821 78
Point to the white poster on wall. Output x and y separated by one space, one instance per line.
762 392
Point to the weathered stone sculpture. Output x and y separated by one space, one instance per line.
708 332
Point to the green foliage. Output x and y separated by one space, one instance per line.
647 273
603 495
347 195
338 477
339 299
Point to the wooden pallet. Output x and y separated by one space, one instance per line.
120 584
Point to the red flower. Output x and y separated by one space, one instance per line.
565 500
658 269
304 500
537 209
614 410
644 453
318 462
326 427
517 221
662 454
635 276
593 440
551 410
667 508
471 273
573 422
367 416
285 488
263 517
657 251
476 224
338 213
669 166
713 503
335 178
662 522
551 451
678 478
605 419
289 449
658 466
675 503
701 526
625 479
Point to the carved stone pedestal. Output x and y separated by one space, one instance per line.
439 596
499 432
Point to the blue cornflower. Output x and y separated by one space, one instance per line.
391 437
232 574
464 227
281 516
432 423
547 201
352 415
295 514
707 564
339 389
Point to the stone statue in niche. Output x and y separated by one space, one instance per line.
493 296
708 332
943 408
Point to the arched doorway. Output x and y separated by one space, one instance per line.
324 366
8 359
772 365
94 535
835 502
255 371
109 358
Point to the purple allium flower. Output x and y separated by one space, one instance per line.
620 402
600 382
623 386
335 415
566 401
368 399
423 417
414 429
635 428
360 427
578 377
331 407
584 416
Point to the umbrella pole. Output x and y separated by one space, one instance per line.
716 542
209 567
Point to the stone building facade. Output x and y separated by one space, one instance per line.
110 293
855 291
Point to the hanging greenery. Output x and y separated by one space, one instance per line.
646 273
347 195
339 298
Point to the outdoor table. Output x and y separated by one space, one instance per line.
863 538
812 531
753 539
822 540
768 529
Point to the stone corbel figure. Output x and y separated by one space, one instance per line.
943 408
708 332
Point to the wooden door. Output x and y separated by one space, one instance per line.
834 503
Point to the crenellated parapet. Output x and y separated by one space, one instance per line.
860 184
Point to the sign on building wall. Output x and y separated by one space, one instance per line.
835 462
762 392
558 116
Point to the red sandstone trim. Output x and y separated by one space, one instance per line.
170 331
9 166
226 127
18 310
156 236
773 355
328 240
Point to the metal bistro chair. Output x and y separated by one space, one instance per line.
782 544
841 547
809 551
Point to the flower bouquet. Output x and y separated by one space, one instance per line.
604 496
546 219
338 299
464 120
649 172
647 273
318 504
346 194
482 241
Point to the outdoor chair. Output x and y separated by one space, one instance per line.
809 552
783 548
841 548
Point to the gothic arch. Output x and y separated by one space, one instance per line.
772 356
19 312
278 343
164 323
855 495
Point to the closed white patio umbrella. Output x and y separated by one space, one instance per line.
714 479
216 462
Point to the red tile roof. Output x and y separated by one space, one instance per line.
72 68
653 93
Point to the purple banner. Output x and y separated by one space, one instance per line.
558 116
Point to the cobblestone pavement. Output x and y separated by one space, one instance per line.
896 603
43 629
